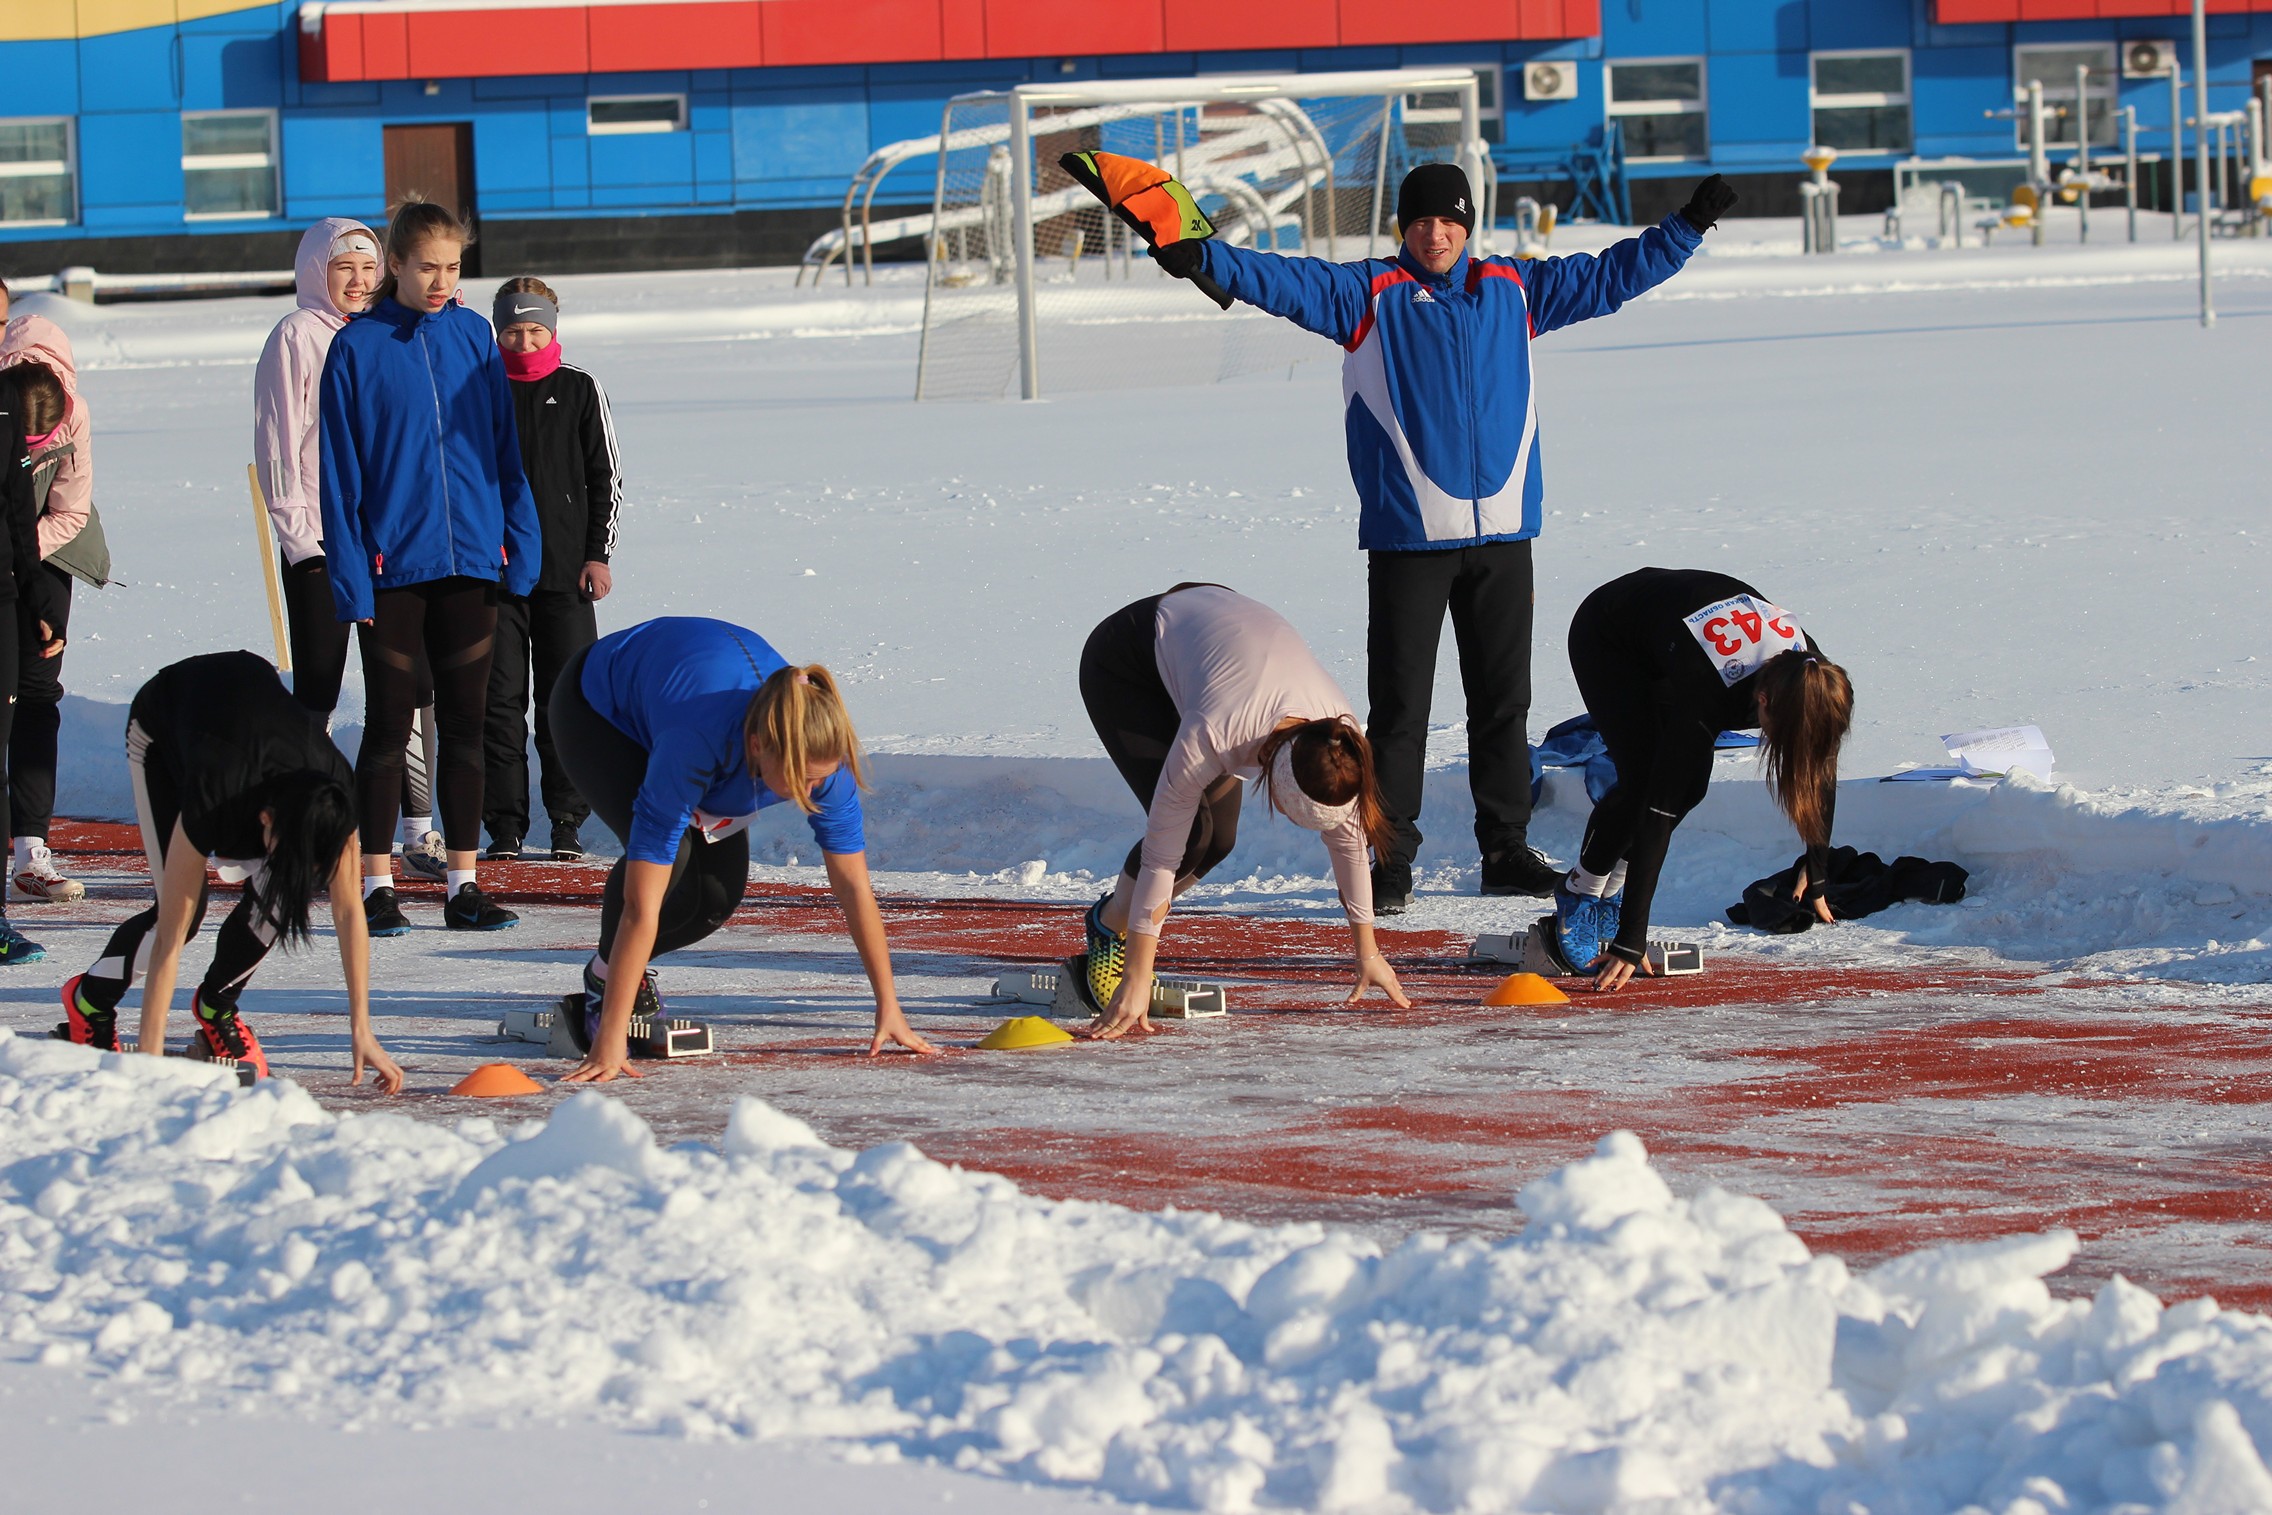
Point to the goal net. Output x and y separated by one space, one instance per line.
1033 285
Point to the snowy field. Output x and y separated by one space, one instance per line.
2002 486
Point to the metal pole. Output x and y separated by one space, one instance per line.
2130 166
2038 160
2083 148
1473 159
2176 152
2201 149
1021 246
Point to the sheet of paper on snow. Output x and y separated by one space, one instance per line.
2000 750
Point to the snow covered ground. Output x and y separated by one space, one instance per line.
2001 485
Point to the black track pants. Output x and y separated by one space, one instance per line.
9 632
1128 704
708 879
246 932
454 621
39 720
319 664
1487 589
545 630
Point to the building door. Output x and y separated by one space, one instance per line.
434 161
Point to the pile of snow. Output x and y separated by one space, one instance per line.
1624 1349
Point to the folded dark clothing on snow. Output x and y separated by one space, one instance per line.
1860 883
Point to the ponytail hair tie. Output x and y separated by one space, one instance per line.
802 677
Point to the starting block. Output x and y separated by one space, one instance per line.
556 1031
247 1074
1533 951
1173 999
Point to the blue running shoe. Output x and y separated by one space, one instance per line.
1583 927
15 947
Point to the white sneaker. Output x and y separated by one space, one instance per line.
40 879
427 858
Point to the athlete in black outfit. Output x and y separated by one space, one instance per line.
1667 659
227 764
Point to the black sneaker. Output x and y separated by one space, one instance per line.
567 846
1392 888
382 912
1520 870
648 1001
471 910
503 849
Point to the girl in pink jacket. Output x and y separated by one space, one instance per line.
336 271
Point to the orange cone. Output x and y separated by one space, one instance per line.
496 1081
1525 989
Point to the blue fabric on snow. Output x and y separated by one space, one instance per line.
1442 364
680 687
1576 744
422 475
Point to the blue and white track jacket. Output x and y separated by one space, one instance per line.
1442 420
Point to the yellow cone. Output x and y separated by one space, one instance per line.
1525 989
1021 1031
496 1081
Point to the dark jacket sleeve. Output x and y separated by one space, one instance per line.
33 588
603 478
1580 286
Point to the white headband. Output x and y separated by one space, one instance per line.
1298 807
354 242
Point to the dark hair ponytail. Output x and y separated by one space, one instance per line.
1333 764
1806 704
414 222
311 818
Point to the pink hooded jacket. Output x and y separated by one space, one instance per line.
37 339
286 441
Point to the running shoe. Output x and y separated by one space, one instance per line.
567 846
1519 870
1107 956
40 879
223 1034
1392 888
503 849
83 1023
382 912
1584 926
427 858
647 1002
15 947
471 910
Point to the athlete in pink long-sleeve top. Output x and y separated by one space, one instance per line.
1194 693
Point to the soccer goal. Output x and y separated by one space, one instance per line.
1032 284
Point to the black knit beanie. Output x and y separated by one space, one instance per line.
1435 189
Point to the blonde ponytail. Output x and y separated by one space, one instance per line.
798 716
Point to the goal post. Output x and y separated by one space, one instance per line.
1026 274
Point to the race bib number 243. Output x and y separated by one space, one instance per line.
1739 634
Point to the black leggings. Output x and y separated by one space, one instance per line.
708 879
9 631
246 932
319 663
34 736
1137 722
453 622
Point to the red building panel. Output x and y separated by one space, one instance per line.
1377 23
549 41
1962 12
1056 28
1202 26
641 38
962 28
829 31
386 47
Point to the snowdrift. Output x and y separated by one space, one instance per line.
1623 1348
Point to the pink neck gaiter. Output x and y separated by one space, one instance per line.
43 438
528 367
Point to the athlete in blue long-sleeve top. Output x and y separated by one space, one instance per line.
1443 447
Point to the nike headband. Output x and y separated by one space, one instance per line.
348 243
512 309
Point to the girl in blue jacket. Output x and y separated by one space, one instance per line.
425 513
678 732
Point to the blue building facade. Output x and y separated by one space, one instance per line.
199 134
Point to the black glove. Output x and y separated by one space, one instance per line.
1184 258
1710 202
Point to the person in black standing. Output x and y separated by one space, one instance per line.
568 450
31 403
1667 659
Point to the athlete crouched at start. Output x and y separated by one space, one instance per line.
1666 659
678 732
1194 694
227 765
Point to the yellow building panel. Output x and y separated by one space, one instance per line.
37 20
50 20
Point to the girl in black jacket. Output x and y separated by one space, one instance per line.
1667 659
227 765
31 404
568 450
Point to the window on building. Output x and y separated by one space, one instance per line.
623 115
2055 67
38 172
1660 104
1861 102
1432 119
228 163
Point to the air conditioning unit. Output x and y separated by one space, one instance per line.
1545 79
2148 60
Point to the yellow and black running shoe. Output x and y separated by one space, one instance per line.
1107 957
